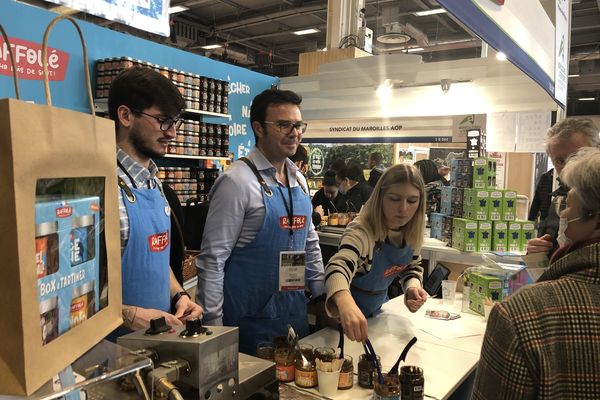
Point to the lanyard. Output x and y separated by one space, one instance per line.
290 208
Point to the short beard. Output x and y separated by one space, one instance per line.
139 144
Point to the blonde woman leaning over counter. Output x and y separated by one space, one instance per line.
382 243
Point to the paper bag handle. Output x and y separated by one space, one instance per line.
12 61
88 84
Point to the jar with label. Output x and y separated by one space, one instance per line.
306 367
83 240
367 372
412 382
49 319
346 380
266 351
46 248
80 303
284 364
389 390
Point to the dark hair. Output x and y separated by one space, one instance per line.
377 157
352 172
429 171
141 88
258 109
329 179
337 165
300 155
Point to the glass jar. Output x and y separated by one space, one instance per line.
306 367
367 373
412 382
284 364
46 248
390 390
49 319
325 354
83 239
346 380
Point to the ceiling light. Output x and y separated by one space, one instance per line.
586 99
413 49
306 31
176 9
430 12
500 56
211 46
574 76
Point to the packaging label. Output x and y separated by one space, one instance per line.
28 57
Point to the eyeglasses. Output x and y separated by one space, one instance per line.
287 126
165 123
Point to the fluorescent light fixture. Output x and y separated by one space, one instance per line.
500 56
413 49
211 46
430 12
176 9
586 99
574 75
306 31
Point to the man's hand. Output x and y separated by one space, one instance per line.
187 309
136 318
414 298
353 320
540 245
319 210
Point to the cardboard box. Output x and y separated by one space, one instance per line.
509 205
480 205
495 205
484 236
446 200
436 221
447 229
528 232
464 234
484 286
514 236
461 173
457 202
500 236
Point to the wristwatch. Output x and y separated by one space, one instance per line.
176 298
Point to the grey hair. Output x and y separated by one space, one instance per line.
582 175
565 129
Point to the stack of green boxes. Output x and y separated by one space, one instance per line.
484 286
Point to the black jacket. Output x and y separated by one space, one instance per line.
319 199
357 197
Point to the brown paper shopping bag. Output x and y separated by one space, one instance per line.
60 250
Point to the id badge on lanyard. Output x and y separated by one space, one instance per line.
291 270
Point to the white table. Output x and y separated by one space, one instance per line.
446 362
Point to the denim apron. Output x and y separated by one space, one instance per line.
370 290
252 300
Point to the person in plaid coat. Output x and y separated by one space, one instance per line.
544 341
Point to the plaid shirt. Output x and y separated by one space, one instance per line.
544 341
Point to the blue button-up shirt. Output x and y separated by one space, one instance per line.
234 219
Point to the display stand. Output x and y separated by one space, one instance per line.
100 367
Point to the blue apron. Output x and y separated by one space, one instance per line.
252 300
370 290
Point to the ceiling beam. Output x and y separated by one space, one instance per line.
269 17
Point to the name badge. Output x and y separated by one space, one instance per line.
291 270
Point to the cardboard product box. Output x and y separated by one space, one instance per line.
457 202
484 236
509 205
500 236
484 286
528 232
480 205
436 221
467 205
447 229
464 234
514 236
446 200
461 172
484 173
495 205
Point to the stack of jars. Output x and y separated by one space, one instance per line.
196 138
188 183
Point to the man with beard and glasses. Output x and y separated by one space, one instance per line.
259 248
145 107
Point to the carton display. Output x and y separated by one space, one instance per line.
447 229
464 234
436 222
484 173
446 200
509 205
484 236
514 236
500 236
495 205
461 173
484 287
479 204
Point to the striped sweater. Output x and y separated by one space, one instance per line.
355 256
544 341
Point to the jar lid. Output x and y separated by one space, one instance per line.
83 289
84 220
48 304
46 228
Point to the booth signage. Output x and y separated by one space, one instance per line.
316 162
561 52
28 57
147 15
461 124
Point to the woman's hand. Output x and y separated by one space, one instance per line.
352 319
414 298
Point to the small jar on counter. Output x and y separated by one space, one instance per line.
306 367
389 390
346 380
412 382
284 364
367 373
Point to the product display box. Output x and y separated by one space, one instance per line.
436 221
457 206
480 204
67 263
446 200
509 205
485 287
461 173
484 236
484 173
500 236
514 236
447 222
528 232
495 205
464 234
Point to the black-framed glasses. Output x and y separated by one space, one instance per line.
165 123
287 126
